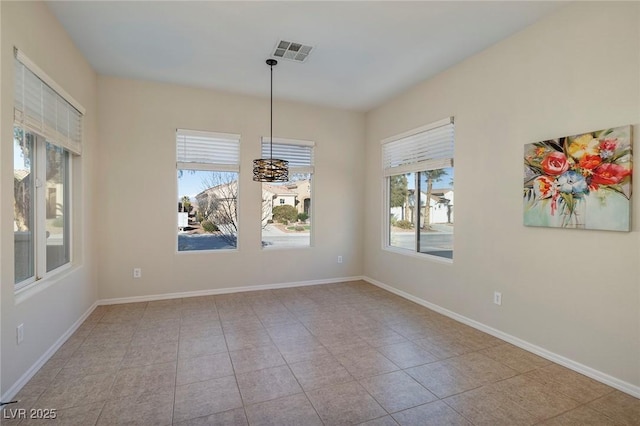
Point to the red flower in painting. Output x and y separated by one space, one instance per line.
609 144
609 174
555 164
590 162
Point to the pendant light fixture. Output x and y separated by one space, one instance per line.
271 169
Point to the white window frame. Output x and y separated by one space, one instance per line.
39 170
225 159
295 167
34 87
411 160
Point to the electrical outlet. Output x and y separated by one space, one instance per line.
339 259
20 333
497 298
137 272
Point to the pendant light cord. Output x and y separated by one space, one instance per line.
270 169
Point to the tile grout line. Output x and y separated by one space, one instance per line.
233 368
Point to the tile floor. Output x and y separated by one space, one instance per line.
347 353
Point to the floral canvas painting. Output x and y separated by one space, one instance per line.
581 181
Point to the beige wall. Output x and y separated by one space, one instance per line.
574 293
47 314
138 190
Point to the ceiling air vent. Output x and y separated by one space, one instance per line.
292 51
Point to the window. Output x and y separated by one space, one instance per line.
208 165
286 206
47 133
418 170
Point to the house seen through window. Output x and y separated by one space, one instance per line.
286 206
207 169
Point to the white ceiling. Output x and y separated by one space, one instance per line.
364 52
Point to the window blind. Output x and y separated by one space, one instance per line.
427 148
40 107
197 150
298 153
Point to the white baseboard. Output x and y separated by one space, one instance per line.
559 359
211 292
551 356
15 388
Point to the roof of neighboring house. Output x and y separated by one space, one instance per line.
300 187
441 190
214 188
437 195
277 189
20 174
296 183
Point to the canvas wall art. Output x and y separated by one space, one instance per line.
581 181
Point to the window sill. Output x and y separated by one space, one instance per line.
277 248
232 250
417 255
42 284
